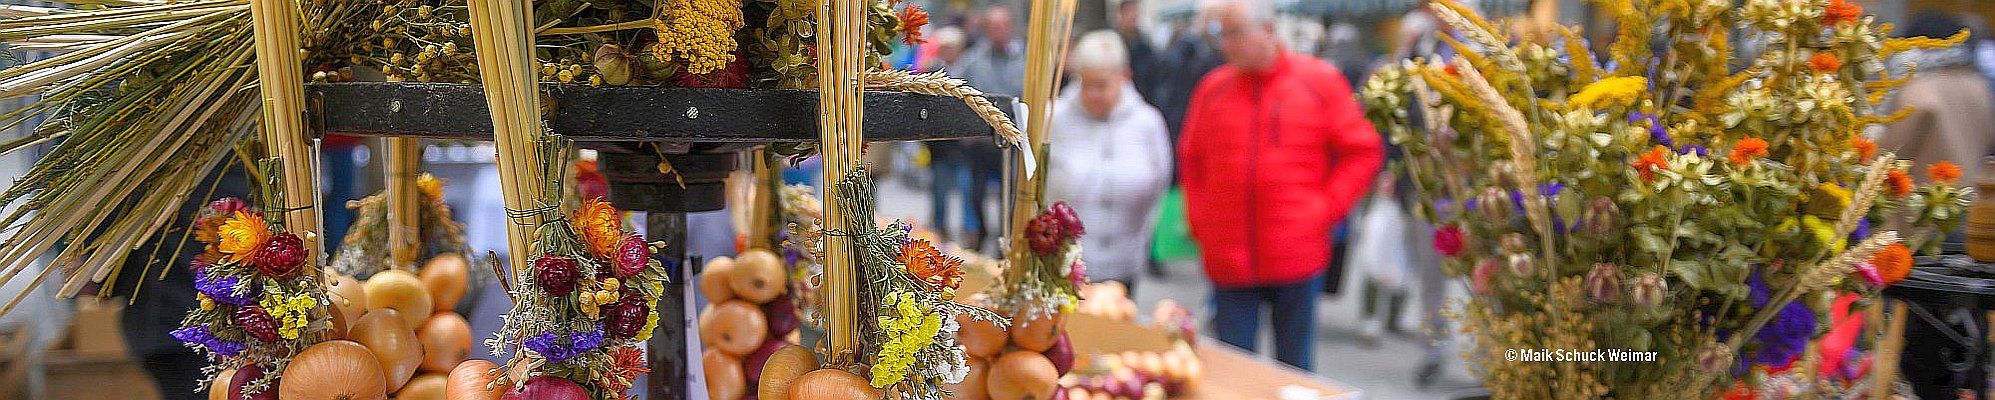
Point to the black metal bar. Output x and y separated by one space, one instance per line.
668 355
633 113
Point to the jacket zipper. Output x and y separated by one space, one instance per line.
1254 135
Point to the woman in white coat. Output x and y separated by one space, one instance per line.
1111 158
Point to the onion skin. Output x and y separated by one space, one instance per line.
714 277
723 373
349 302
334 370
759 276
980 338
446 276
424 387
1022 375
468 381
974 386
781 371
831 384
393 344
446 341
1037 334
735 327
548 388
1062 355
401 291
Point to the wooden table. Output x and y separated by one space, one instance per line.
1232 373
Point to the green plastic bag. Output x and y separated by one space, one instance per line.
1172 239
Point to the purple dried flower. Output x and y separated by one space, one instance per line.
222 288
1699 150
200 336
1862 230
1784 337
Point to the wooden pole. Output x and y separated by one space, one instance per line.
1884 360
404 225
765 198
502 31
840 50
1046 47
281 76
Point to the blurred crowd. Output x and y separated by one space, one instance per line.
1227 135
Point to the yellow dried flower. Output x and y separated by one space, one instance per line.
1615 91
292 313
430 185
911 328
700 33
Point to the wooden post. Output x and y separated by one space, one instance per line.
280 70
503 34
404 206
841 31
1884 360
1046 49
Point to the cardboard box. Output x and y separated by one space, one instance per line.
78 374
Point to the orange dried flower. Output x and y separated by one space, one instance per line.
1900 182
1825 62
241 236
928 263
1865 149
1747 150
1893 263
1943 172
912 19
1841 12
1651 161
600 227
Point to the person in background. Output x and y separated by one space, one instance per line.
1953 112
160 274
995 64
944 50
1129 26
1274 153
1114 158
1190 55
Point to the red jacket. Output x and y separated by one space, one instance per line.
1270 162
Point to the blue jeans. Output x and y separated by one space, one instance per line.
1236 318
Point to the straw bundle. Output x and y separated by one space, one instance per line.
404 205
841 63
503 33
1050 23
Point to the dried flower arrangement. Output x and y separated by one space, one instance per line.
261 302
582 306
909 289
1664 202
365 249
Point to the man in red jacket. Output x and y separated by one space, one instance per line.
1274 153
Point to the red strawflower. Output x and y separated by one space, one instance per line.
556 274
281 255
633 256
625 318
1748 149
912 20
227 206
1943 172
1044 234
1651 161
257 323
1841 12
1448 240
1070 223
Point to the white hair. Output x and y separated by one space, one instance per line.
1102 49
949 36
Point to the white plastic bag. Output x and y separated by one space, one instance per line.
1378 246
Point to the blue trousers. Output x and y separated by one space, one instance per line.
1236 318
